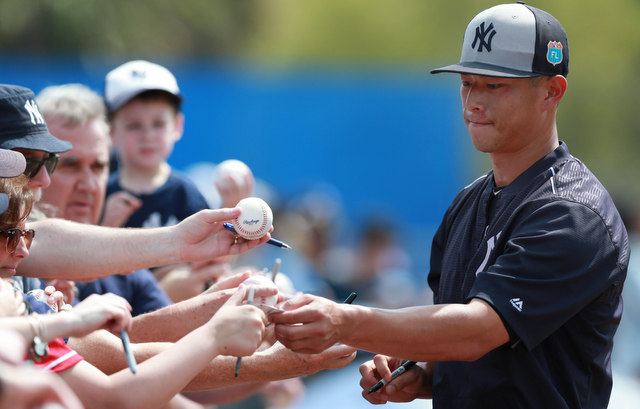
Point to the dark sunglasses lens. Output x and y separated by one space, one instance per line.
32 168
34 165
50 163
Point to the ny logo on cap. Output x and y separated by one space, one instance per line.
481 34
34 112
139 74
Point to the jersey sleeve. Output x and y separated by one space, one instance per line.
556 261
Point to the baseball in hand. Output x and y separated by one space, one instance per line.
40 295
261 280
255 220
233 172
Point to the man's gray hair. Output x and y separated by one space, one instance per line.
73 104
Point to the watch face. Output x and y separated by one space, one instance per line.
39 347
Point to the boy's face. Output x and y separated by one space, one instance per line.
145 131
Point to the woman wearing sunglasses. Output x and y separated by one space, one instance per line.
234 330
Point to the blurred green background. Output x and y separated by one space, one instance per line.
598 118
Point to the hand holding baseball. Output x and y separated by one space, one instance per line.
255 219
238 328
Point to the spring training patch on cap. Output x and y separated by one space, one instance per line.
554 52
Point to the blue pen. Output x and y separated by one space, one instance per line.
128 354
397 372
273 242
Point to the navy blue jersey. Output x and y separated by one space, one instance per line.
172 202
140 288
549 253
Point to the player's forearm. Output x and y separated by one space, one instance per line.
425 333
68 250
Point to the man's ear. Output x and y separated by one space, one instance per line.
555 88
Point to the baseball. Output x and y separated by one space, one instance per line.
263 281
233 173
40 295
255 220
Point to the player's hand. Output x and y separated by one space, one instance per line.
414 383
105 311
320 319
238 329
202 236
118 208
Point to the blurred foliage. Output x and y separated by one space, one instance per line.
598 117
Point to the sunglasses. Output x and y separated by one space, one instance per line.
13 238
49 161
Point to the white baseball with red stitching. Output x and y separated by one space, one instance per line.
255 220
261 280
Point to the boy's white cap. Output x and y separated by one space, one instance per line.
135 77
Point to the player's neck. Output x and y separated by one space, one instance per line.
138 180
508 166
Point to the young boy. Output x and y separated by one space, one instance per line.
143 101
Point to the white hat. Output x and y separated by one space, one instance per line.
12 163
513 40
135 77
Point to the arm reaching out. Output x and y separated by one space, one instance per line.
61 248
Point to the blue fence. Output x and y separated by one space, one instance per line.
389 141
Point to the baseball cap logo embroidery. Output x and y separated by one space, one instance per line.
481 34
554 52
138 74
34 112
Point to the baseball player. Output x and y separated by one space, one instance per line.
527 265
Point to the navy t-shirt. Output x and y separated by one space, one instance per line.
140 288
172 202
551 258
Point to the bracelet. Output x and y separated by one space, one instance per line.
35 325
43 328
39 348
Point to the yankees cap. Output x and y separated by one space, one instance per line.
132 78
22 125
513 41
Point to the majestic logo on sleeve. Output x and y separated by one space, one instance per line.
481 36
517 303
554 52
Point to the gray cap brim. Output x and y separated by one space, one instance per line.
487 70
